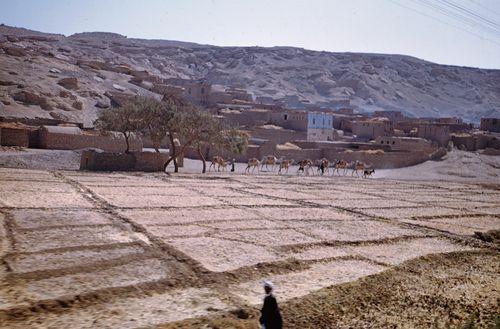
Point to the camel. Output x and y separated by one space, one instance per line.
285 164
358 167
341 164
304 166
268 160
252 163
219 162
323 166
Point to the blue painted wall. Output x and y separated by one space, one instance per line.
319 120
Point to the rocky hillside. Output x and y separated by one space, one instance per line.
70 78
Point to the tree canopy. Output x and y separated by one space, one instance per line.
124 119
156 119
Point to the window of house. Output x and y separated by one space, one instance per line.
285 116
314 121
189 91
393 142
202 90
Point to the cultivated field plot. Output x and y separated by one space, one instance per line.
138 250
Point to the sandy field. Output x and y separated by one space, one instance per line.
134 250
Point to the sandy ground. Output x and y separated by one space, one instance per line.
128 250
460 166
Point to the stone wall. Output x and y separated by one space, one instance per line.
295 120
135 161
248 118
299 154
277 136
404 143
15 137
369 130
476 142
72 139
380 160
253 151
439 133
339 145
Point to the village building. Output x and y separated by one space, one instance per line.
373 128
171 90
394 116
436 132
239 116
319 126
477 140
18 134
403 143
198 92
490 124
293 119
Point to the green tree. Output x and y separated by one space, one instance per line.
209 133
183 127
124 119
235 141
202 131
156 117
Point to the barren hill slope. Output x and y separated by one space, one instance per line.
32 65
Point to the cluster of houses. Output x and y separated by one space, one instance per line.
383 139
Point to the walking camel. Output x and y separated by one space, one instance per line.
268 160
285 164
358 167
341 164
252 163
219 162
304 166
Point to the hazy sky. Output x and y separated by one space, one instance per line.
375 26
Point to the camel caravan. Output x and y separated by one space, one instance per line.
306 167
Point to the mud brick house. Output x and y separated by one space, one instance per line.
14 137
295 120
198 92
245 117
490 124
394 116
166 89
436 132
73 138
240 94
15 134
277 134
476 140
317 125
404 143
373 128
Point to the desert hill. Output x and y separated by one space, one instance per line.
51 76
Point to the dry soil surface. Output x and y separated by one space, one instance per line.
129 250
